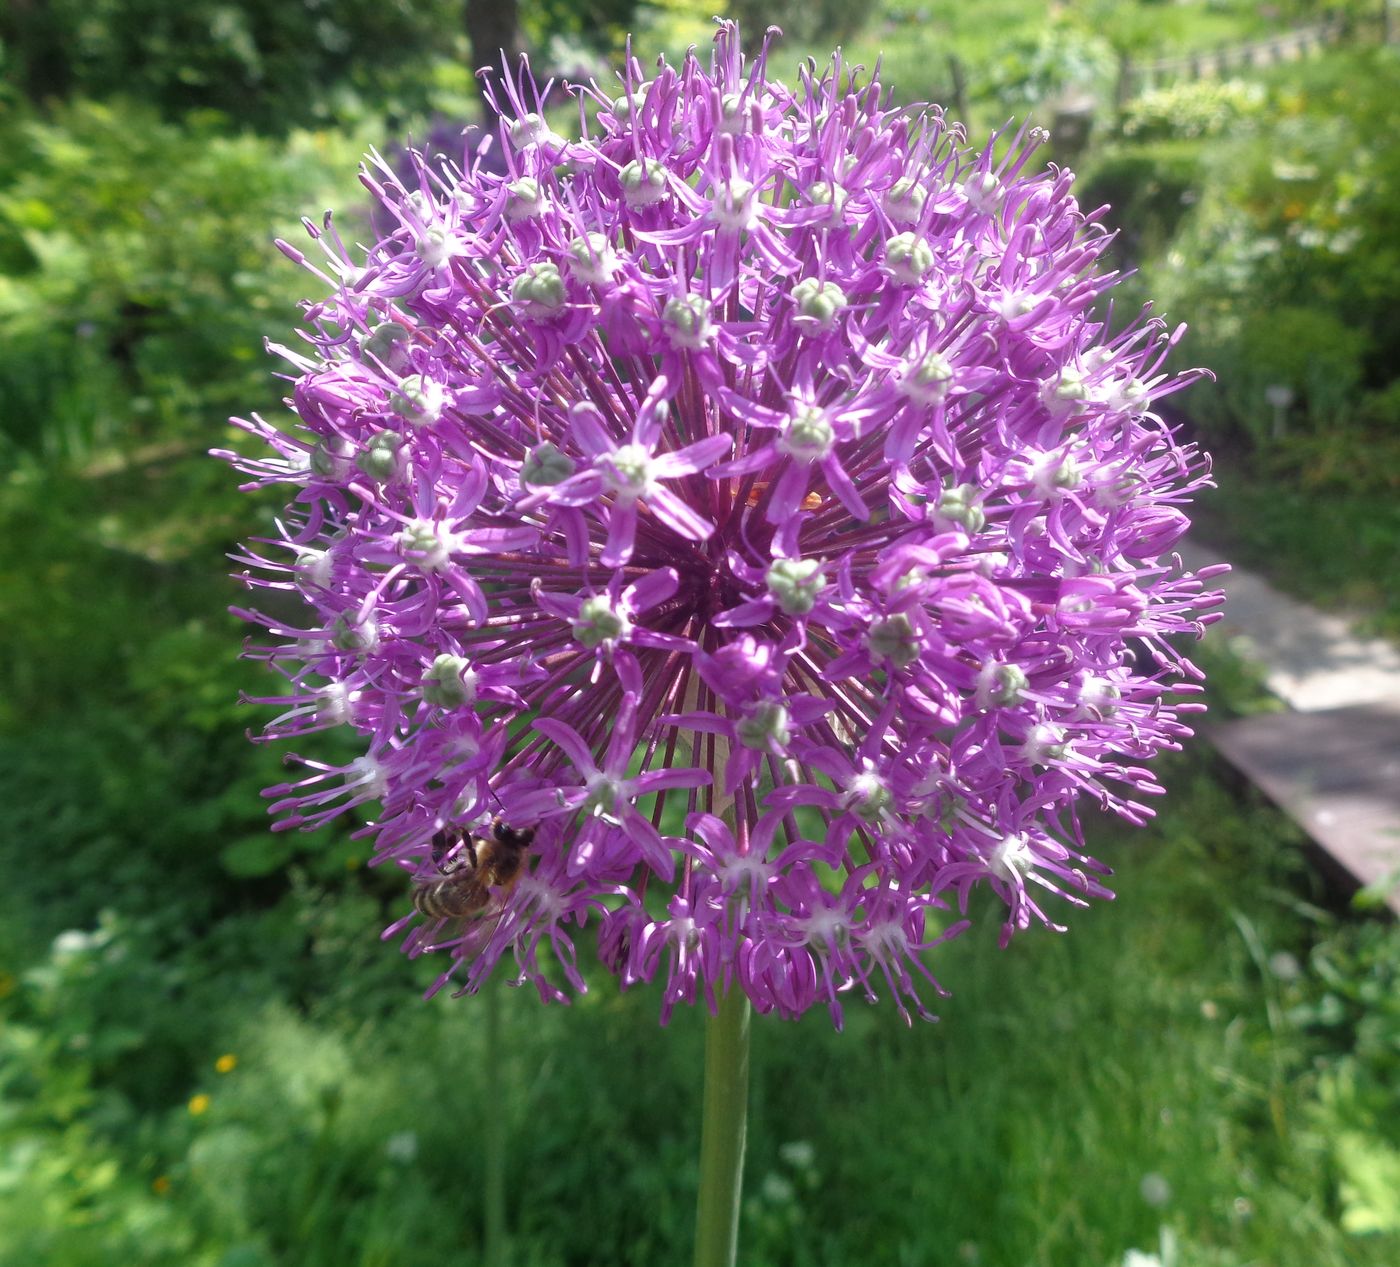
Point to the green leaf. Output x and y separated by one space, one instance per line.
1370 1185
260 853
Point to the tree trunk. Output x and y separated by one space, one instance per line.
34 39
493 27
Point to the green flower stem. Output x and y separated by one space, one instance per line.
496 1248
722 1132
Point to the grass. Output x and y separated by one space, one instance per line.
1082 1092
1338 549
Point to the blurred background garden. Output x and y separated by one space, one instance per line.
206 1054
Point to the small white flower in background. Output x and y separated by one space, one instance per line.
1155 1189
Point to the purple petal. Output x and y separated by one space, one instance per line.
844 489
692 458
654 587
676 514
622 533
788 492
649 844
747 464
571 742
496 540
665 780
753 612
587 425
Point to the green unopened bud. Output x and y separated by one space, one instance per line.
389 345
1059 475
949 812
628 471
1044 744
448 684
983 192
348 634
1131 395
1063 393
731 112
765 727
622 107
330 459
1011 859
418 399
731 206
435 246
809 435
539 289
928 381
530 129
1098 697
825 194
893 638
598 622
904 200
1002 684
523 199
688 318
314 566
421 541
592 258
908 258
818 303
957 505
604 798
643 182
546 464
795 584
379 459
868 798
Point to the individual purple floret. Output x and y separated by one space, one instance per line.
444 136
750 499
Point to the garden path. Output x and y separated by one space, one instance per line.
1333 761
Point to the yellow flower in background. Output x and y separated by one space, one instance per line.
160 1185
199 1104
226 1063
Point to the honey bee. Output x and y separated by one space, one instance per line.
471 867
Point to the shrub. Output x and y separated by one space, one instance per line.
1192 109
141 275
273 63
1150 188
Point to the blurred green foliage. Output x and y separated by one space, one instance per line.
1192 108
272 64
1290 258
1066 55
1278 238
1149 186
1216 1032
138 283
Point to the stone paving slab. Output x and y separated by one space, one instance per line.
1337 773
1332 764
1311 659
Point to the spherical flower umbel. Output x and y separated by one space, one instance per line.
748 499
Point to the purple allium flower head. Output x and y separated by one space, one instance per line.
748 499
